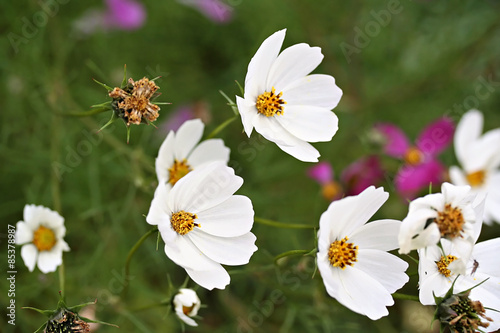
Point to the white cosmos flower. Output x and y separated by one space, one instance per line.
438 268
479 157
41 236
204 225
453 214
180 152
186 305
353 260
284 103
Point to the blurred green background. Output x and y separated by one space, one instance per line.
425 60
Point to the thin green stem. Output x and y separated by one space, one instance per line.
129 258
219 128
276 224
62 279
85 113
405 296
292 253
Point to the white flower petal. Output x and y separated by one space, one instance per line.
159 212
309 123
457 176
186 138
23 233
51 219
468 130
350 213
29 254
486 255
272 130
314 90
233 217
293 63
185 319
456 195
487 294
165 159
356 286
209 151
414 234
384 267
48 261
301 150
248 113
261 62
30 215
436 283
184 253
204 188
225 250
217 277
378 235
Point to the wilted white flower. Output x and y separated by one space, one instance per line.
186 305
452 214
180 153
284 103
204 225
41 236
479 157
353 260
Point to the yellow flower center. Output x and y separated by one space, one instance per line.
44 238
331 190
178 170
413 156
450 221
476 178
270 104
443 264
187 309
183 222
342 254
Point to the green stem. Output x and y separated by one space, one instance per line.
405 296
293 253
221 127
62 279
282 225
85 113
129 258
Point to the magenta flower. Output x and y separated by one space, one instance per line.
421 166
323 173
215 10
361 174
124 14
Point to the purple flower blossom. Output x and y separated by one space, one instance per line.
361 174
421 166
124 14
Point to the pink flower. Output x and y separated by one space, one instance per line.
361 174
119 14
124 14
421 166
215 10
323 174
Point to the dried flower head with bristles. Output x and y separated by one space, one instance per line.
133 104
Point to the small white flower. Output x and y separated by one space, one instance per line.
438 268
479 156
353 258
180 153
41 235
204 225
284 103
186 305
451 214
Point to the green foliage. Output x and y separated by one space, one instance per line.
429 60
